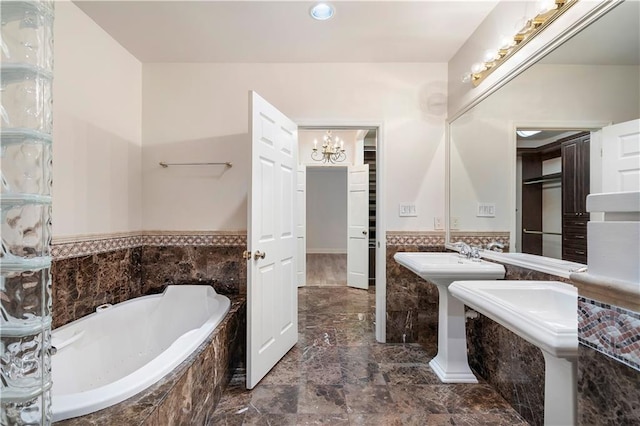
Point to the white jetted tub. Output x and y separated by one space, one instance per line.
120 350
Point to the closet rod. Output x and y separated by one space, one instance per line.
226 163
526 231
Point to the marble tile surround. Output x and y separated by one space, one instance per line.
90 272
609 385
190 393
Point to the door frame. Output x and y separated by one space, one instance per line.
381 223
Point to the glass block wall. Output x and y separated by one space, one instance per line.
26 46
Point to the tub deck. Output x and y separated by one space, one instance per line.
201 377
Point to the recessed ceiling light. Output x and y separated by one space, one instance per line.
322 11
527 133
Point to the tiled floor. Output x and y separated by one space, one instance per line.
324 269
338 375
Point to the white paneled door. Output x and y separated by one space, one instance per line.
272 302
358 227
621 157
301 225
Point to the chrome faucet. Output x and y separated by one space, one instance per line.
471 252
495 246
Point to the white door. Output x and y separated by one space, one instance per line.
272 301
301 225
621 157
358 227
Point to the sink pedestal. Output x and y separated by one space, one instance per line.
451 365
560 394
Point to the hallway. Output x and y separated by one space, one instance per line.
338 374
324 269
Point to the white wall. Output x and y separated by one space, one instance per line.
198 112
326 210
97 92
482 153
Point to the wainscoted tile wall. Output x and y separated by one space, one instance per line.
80 284
481 239
412 306
608 374
91 271
608 381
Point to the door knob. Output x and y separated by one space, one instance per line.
259 255
246 255
364 232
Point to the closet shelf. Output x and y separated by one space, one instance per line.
553 177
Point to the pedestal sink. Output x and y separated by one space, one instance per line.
450 364
544 313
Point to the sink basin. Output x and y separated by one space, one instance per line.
544 313
444 268
450 364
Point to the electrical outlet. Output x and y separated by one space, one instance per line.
437 223
455 223
407 210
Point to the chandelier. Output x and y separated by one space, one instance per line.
332 149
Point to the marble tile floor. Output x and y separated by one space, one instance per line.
338 374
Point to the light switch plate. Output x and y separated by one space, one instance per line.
486 210
407 210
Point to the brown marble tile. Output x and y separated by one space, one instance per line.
394 419
274 399
511 365
433 399
321 399
322 419
368 398
177 407
608 391
408 374
222 267
400 353
268 419
81 284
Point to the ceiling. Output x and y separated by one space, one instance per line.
283 31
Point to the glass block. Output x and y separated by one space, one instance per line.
27 33
26 98
25 163
26 230
35 411
25 298
23 365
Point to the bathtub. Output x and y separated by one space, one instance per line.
116 352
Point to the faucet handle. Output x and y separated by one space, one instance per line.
475 252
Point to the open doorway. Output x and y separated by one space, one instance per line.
553 181
340 205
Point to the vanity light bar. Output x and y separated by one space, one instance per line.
532 27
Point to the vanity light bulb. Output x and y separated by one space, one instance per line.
547 5
477 68
466 77
507 42
490 55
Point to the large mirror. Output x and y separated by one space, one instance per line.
529 187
